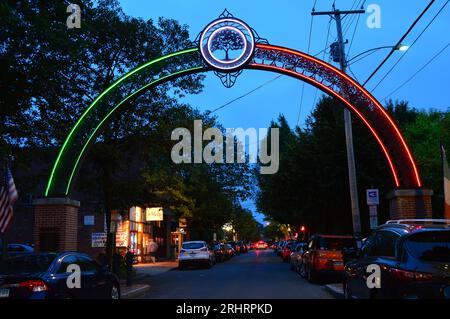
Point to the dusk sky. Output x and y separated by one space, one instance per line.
287 23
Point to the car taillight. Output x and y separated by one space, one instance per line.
34 285
405 276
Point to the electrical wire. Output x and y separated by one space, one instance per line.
414 42
417 72
356 27
399 42
309 48
323 58
246 94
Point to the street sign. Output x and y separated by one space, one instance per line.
98 240
89 220
373 197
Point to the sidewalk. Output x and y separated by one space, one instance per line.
133 291
143 272
336 290
154 269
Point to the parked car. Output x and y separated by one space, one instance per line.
324 256
280 247
236 247
286 251
275 246
219 251
296 255
242 247
413 257
18 250
195 253
229 251
44 276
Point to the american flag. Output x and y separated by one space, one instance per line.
8 196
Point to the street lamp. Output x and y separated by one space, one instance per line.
401 47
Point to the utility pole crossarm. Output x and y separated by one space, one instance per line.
322 13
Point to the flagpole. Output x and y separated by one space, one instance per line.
3 235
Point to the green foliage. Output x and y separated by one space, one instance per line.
311 187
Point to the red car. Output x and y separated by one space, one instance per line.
324 256
286 251
261 245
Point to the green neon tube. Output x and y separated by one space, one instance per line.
117 82
179 73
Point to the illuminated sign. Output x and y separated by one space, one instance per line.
227 44
154 214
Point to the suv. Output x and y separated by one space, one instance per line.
324 256
413 256
195 253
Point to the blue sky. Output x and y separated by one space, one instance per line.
287 23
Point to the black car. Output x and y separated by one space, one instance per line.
242 247
219 252
413 258
45 276
236 247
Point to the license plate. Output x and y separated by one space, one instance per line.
338 263
4 293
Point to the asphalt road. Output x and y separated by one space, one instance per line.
257 274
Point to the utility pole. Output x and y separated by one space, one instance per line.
341 58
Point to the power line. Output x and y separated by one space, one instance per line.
246 94
309 48
417 72
323 58
356 27
399 42
414 42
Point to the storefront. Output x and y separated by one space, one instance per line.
139 229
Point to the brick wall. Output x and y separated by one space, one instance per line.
410 203
56 222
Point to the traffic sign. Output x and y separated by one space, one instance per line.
373 197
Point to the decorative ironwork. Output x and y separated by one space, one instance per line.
353 96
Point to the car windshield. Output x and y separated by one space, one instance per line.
26 264
193 245
430 246
335 243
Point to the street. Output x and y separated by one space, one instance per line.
258 274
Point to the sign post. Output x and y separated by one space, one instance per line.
373 200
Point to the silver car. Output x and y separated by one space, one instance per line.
195 253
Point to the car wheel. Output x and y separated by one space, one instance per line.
312 277
115 292
180 266
347 291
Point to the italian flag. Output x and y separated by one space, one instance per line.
446 185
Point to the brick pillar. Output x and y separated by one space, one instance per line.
410 203
56 224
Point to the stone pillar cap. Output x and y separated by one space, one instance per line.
53 201
409 193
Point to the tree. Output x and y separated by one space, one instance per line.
227 40
311 187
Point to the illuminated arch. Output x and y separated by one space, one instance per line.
266 57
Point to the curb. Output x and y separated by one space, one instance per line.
335 290
136 292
